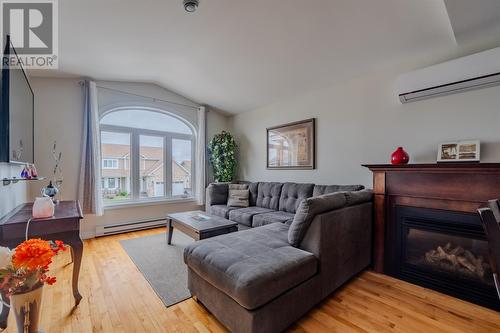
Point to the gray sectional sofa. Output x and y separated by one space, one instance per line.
300 243
269 202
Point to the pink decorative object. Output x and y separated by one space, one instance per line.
34 173
43 208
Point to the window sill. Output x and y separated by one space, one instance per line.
139 203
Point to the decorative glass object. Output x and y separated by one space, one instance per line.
49 191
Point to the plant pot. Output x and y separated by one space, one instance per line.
26 308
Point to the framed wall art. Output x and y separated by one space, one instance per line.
292 146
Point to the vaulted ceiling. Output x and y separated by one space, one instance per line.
238 55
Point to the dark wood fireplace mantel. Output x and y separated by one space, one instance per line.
460 187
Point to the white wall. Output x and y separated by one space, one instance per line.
112 97
14 194
361 122
216 123
59 116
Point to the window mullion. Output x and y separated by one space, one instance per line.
168 166
193 167
135 166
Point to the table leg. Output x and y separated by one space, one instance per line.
5 312
170 232
72 259
76 254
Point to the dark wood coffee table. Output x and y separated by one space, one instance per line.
199 225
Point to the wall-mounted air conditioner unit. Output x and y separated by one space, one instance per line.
475 71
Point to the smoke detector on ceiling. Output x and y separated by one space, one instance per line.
191 5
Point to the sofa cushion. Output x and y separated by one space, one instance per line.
253 266
217 193
358 197
272 217
244 215
238 195
308 209
221 210
325 189
268 195
237 186
253 187
292 194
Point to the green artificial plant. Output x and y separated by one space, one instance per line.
222 150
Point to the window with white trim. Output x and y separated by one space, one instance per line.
110 163
146 155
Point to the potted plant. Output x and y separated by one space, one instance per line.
23 273
222 150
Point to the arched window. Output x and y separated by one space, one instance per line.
147 154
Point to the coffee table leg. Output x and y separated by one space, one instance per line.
170 232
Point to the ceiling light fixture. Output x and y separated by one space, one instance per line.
191 5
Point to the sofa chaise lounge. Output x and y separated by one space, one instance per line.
265 278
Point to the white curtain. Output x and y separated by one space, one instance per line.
200 156
89 189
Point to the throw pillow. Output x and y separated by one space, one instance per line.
308 209
238 195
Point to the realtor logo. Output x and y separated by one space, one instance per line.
33 30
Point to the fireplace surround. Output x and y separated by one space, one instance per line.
427 230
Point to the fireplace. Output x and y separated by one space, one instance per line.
427 230
444 250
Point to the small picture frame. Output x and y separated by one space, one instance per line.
459 151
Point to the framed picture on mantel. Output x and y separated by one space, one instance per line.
460 151
292 146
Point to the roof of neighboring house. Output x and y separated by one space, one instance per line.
180 172
186 165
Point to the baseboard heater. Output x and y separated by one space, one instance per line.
105 230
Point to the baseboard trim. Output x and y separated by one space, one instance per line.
104 230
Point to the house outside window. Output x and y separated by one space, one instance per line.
148 153
110 164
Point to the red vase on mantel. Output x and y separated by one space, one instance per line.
400 156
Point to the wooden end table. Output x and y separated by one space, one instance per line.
64 225
199 225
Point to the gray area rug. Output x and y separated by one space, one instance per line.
162 265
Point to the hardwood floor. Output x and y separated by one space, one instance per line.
118 299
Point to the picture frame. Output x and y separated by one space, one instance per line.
459 151
292 145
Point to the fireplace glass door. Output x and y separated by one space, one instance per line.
457 257
446 251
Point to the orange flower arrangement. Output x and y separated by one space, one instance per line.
33 254
27 267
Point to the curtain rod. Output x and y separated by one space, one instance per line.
143 96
